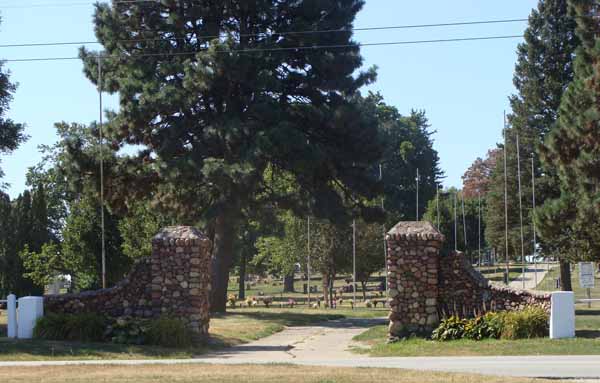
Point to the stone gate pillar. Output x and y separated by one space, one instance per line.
180 275
413 266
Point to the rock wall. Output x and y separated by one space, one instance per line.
466 292
413 267
424 286
173 281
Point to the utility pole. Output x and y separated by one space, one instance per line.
101 174
353 264
479 229
455 228
505 205
383 228
533 222
308 257
465 224
521 213
417 218
437 204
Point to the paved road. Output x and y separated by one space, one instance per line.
530 278
327 345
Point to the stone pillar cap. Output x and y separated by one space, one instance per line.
172 233
415 230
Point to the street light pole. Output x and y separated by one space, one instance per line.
417 217
521 213
505 205
533 222
101 174
353 263
383 228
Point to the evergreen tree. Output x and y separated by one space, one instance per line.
6 248
217 91
544 69
446 205
573 148
407 147
11 133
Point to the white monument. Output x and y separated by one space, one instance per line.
562 315
30 309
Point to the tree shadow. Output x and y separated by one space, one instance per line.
591 334
69 350
587 312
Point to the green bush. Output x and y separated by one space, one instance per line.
485 326
450 329
169 332
531 322
128 330
86 327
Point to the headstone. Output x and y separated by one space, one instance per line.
30 309
11 307
562 315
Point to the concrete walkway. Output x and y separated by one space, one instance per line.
530 278
327 345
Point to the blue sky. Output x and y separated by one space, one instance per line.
462 86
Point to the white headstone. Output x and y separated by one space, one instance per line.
562 315
11 307
30 309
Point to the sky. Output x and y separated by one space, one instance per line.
462 86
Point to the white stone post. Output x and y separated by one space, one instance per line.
11 306
562 315
30 309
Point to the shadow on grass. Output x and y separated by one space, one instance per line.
284 318
306 319
587 312
24 349
591 334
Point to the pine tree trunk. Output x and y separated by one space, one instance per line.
242 282
363 284
222 258
565 276
288 283
325 283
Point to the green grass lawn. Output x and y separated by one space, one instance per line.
376 336
496 273
236 327
586 343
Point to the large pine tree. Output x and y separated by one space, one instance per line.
544 69
218 91
573 147
11 133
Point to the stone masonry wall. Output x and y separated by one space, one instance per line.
173 281
413 264
424 286
465 292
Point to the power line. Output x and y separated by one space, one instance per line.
383 28
259 50
71 4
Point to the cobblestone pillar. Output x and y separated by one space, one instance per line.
413 266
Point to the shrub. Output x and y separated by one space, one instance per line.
485 326
168 332
86 327
449 329
127 330
531 322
